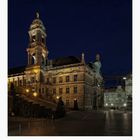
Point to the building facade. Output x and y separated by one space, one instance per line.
69 77
128 84
115 98
128 90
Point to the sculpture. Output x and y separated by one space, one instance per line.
96 67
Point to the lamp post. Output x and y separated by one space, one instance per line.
27 90
124 79
125 105
57 97
35 94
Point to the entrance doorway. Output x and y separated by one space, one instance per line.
75 104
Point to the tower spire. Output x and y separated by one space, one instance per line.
37 50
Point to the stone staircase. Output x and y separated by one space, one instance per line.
26 106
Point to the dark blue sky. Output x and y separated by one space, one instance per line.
73 27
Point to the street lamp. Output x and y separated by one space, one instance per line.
106 104
35 94
124 104
27 90
124 78
112 104
57 97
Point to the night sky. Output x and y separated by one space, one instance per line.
73 27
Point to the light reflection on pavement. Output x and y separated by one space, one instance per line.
76 123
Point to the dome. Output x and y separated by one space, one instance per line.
37 23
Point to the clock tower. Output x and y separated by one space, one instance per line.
37 50
37 54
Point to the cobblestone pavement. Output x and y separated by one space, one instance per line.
76 123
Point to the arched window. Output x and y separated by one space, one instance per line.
33 38
33 59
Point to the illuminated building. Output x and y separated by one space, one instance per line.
115 98
68 77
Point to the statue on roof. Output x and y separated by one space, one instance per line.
96 67
97 64
37 15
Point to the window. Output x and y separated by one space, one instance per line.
46 90
15 83
75 89
33 89
60 91
42 90
47 80
39 90
33 38
60 80
75 77
67 78
43 40
54 79
20 82
54 91
67 90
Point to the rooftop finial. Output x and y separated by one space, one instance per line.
97 57
37 15
83 58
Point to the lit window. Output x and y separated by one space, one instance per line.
75 89
75 77
54 79
60 90
54 91
67 78
67 90
33 38
43 40
60 80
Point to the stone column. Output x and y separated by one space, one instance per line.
22 80
17 81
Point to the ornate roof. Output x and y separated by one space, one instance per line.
65 61
56 62
37 23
